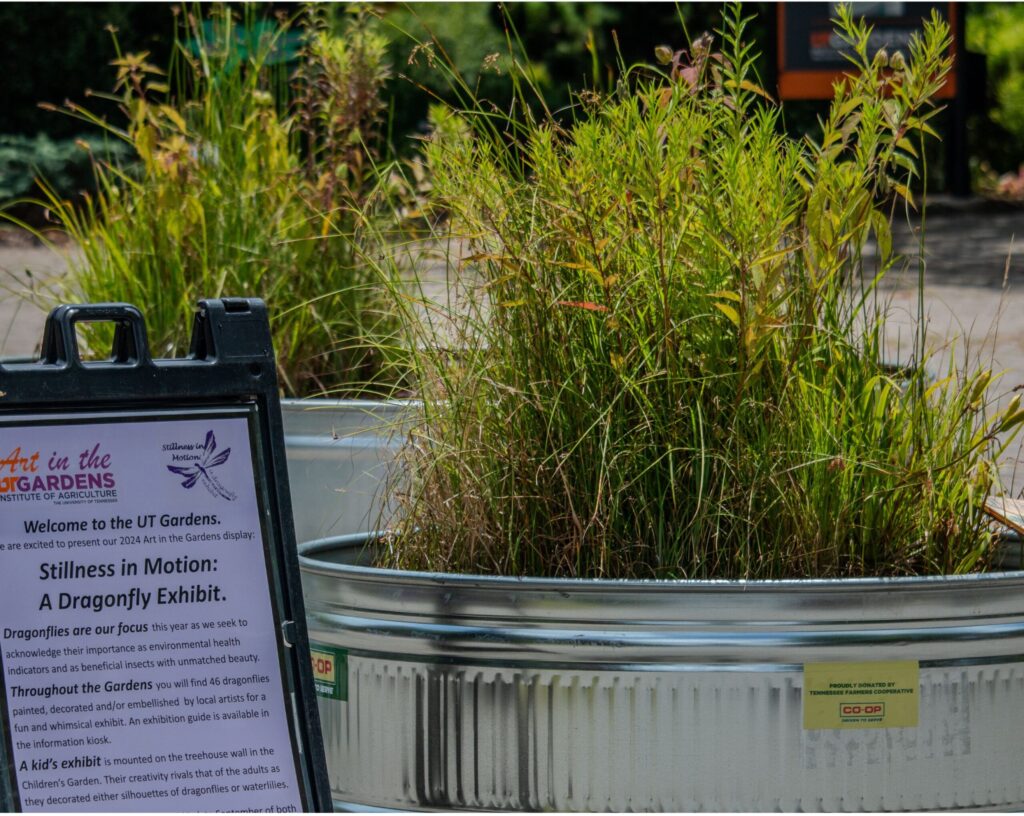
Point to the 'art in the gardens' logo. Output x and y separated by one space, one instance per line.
78 476
196 465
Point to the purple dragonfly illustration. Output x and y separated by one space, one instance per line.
199 471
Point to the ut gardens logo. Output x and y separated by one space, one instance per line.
201 460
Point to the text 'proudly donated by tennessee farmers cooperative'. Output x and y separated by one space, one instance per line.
61 477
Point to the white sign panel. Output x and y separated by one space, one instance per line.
140 649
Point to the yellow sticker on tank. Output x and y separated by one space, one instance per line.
862 695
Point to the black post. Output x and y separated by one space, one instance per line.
958 176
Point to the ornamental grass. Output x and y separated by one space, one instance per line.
669 361
251 173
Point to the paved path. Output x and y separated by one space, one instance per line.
974 298
21 323
974 285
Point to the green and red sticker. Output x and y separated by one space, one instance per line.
330 671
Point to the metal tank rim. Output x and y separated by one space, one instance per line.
328 403
361 541
649 625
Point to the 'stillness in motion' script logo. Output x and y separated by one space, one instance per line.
201 460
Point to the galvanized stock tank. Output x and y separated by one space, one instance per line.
339 456
460 692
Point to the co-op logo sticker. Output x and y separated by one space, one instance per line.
201 460
862 710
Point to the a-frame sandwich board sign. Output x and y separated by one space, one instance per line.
153 650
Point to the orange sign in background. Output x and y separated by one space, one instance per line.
809 52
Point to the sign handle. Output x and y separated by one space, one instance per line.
60 341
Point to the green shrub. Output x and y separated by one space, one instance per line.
674 363
65 163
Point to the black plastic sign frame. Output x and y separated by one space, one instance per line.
129 679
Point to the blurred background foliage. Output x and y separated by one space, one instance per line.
54 53
64 163
997 139
997 30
